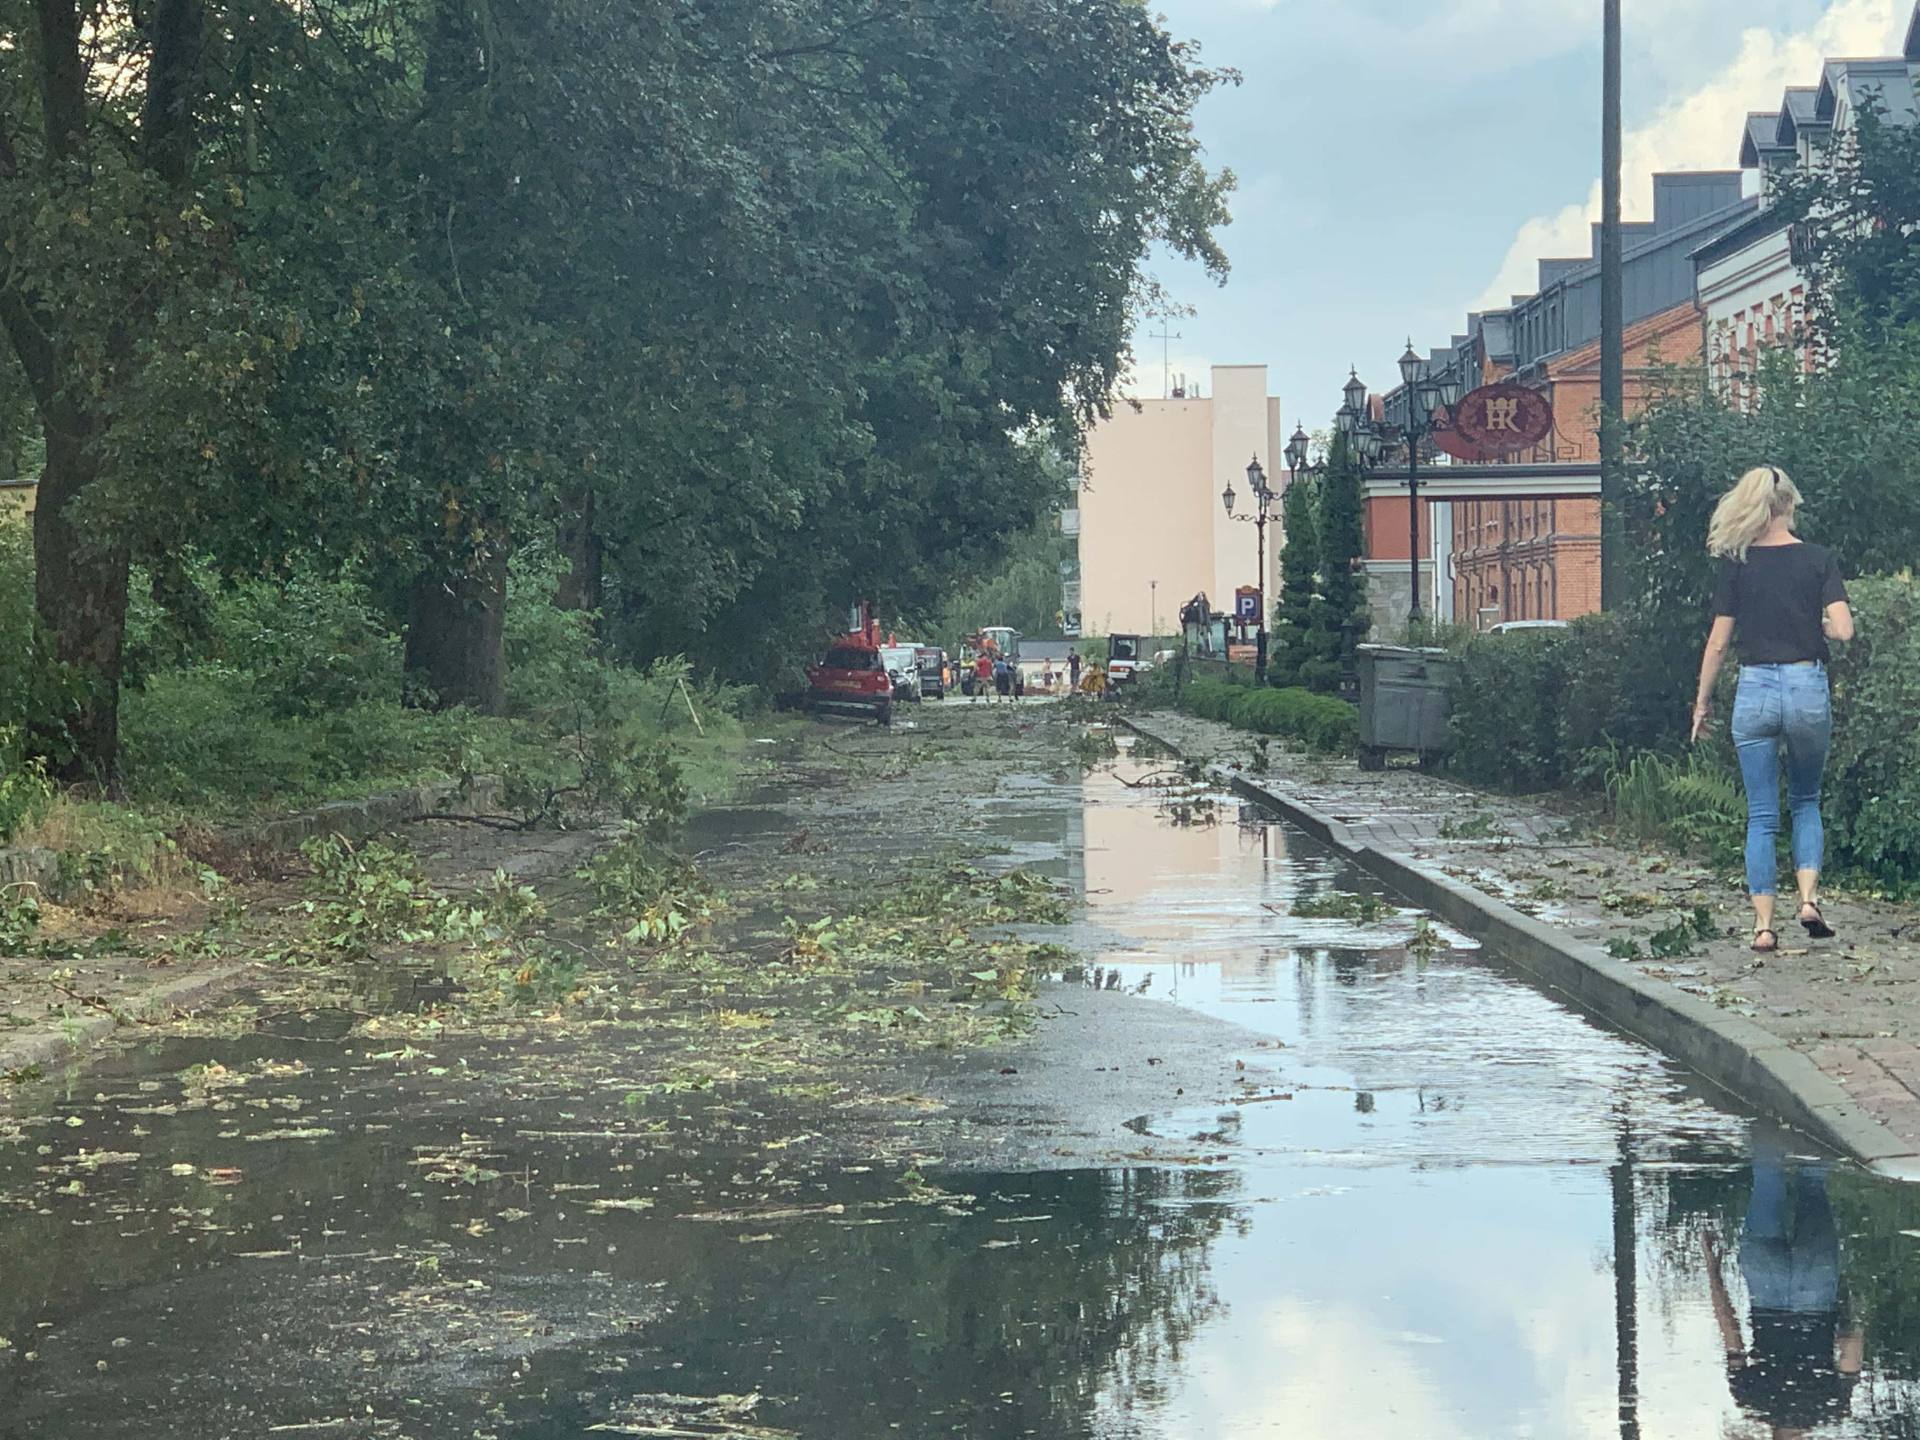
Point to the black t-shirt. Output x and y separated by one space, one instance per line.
1776 598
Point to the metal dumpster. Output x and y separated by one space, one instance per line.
1403 702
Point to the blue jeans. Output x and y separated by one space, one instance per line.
1790 1247
1776 704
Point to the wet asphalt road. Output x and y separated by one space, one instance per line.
1435 1204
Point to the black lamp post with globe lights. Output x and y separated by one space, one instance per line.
1428 397
1264 498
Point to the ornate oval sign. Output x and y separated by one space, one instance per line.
1500 419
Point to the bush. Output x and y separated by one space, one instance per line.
1629 680
311 644
1873 772
213 738
1212 699
1694 800
33 688
25 791
1505 709
1318 722
1541 709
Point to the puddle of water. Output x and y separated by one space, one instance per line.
1447 1207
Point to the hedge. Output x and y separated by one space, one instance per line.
1319 722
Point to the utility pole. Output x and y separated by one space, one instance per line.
1613 388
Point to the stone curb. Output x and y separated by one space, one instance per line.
46 1049
1756 1068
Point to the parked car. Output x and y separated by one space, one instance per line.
903 668
851 679
933 671
1514 627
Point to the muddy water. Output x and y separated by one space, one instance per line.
1441 1206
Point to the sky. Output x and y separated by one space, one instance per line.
1402 162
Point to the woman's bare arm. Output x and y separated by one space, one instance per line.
1837 621
1719 642
1723 1314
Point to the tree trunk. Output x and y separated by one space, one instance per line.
456 637
80 592
581 588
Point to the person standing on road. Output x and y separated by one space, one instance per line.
1784 599
983 676
1073 670
1003 679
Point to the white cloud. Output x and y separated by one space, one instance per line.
1700 130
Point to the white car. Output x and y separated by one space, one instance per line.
1509 627
903 667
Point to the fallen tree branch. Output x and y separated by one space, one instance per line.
494 822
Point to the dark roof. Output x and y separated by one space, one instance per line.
1762 135
1762 222
1887 76
1798 108
1913 36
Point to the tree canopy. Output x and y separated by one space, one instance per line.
750 309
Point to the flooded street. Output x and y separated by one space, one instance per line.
1439 1205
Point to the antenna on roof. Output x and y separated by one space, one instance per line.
1166 336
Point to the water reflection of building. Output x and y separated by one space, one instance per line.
1163 874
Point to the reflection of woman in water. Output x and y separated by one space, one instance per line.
1801 1366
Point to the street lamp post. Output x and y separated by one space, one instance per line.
1263 501
1153 609
1427 396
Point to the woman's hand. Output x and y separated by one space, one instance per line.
1702 713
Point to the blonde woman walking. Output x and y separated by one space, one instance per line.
1783 599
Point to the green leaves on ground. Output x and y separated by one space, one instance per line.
1361 906
657 895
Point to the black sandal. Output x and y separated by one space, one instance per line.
1817 927
1760 949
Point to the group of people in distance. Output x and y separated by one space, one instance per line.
994 677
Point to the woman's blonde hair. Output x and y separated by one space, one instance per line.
1763 494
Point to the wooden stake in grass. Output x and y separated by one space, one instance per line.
687 695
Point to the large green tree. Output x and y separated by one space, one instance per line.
750 308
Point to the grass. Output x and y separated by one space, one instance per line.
269 766
1692 801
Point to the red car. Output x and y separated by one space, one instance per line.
852 679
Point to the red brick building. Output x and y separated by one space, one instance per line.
1533 553
1539 559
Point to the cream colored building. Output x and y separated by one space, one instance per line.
1150 506
16 498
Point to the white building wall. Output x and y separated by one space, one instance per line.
1151 507
1244 427
1752 298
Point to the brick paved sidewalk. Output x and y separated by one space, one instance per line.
1850 1005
